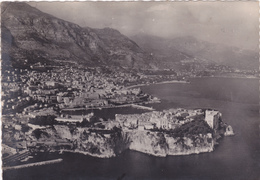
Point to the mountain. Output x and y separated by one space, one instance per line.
167 57
30 36
191 49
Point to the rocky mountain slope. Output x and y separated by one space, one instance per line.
30 36
191 49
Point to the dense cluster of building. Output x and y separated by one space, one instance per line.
66 87
166 120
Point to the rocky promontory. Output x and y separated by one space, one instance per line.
171 132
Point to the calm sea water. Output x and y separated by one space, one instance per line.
236 157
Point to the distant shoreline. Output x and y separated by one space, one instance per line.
181 81
163 82
240 77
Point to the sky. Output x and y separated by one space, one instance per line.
229 23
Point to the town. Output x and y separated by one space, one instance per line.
43 93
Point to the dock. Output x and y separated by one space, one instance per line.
16 157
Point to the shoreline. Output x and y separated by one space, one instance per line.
100 108
89 154
138 106
184 153
163 82
108 156
231 77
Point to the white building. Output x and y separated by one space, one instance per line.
212 118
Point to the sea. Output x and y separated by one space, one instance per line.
235 158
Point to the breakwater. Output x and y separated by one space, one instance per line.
33 164
141 107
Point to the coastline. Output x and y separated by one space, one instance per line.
138 106
163 82
231 77
144 151
90 154
182 81
183 153
104 107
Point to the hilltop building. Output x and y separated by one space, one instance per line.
212 118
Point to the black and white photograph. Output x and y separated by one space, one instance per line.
130 90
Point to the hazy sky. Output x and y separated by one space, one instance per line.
232 23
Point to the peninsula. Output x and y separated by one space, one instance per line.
159 133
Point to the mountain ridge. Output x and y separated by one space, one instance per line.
30 36
201 51
39 37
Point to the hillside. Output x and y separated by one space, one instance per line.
30 36
191 49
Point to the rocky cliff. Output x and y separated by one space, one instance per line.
160 144
109 143
196 136
98 143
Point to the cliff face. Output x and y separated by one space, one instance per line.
75 139
113 143
193 137
148 142
159 144
90 143
186 146
31 35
